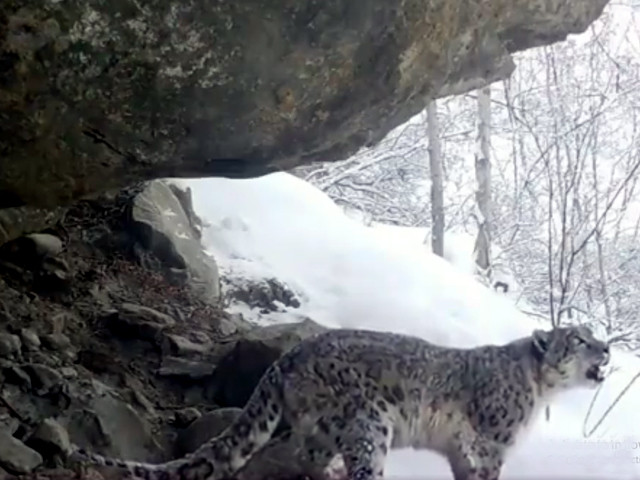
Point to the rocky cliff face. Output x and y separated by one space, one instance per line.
111 331
109 340
100 94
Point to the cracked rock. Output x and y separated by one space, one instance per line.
43 378
183 346
15 456
9 344
50 438
9 424
18 376
179 367
30 339
116 427
56 341
137 321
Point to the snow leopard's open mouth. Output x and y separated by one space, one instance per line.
597 372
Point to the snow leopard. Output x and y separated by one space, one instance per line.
358 394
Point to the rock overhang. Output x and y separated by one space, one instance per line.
98 94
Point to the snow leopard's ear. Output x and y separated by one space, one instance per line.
541 340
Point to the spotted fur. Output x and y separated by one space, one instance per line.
357 394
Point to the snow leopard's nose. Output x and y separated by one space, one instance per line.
606 354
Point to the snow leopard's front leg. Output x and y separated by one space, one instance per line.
365 444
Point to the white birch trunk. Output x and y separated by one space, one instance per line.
435 169
482 248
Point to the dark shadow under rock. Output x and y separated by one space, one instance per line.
239 371
204 428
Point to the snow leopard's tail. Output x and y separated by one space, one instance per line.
221 456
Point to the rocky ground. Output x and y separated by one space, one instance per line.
112 338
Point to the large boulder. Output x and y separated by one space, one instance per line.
100 94
165 228
15 456
284 336
114 428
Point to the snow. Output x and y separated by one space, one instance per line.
458 245
384 278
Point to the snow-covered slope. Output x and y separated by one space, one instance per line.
349 275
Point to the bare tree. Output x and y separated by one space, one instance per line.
561 225
577 165
386 183
435 169
482 247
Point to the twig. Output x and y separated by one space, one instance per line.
608 410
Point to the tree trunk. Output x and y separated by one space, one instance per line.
483 177
435 169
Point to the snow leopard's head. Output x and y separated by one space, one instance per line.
570 357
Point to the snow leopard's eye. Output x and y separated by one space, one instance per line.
578 340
